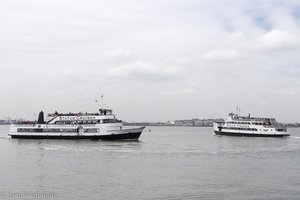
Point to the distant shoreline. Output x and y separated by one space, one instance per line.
192 126
162 125
171 125
289 125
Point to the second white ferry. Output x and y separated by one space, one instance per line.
102 125
236 125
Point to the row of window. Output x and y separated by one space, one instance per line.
238 123
254 123
58 130
75 122
89 122
239 128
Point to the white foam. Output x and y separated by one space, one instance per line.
295 137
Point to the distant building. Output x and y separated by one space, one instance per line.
196 122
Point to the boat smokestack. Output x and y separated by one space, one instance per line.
41 118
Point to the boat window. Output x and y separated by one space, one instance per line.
91 130
111 121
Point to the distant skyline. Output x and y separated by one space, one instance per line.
153 60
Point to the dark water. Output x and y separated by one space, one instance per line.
167 163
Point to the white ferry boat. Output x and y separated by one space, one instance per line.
95 126
236 125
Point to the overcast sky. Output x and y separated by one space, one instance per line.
154 60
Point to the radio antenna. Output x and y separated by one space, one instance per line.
101 101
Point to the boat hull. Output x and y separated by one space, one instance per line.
129 135
249 134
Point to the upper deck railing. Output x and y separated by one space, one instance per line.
100 113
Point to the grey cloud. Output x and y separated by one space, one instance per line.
145 71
